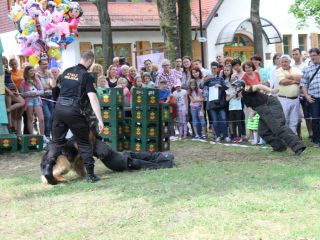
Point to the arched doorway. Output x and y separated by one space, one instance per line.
241 48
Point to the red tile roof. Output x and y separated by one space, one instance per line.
6 24
137 15
206 6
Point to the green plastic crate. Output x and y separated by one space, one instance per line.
112 114
110 97
8 143
145 97
165 112
144 130
147 114
164 129
115 143
144 145
30 143
127 128
112 129
126 143
164 144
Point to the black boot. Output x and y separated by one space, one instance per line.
48 173
91 177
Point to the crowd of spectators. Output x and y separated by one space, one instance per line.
203 102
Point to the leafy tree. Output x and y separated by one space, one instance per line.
106 32
304 10
184 16
257 27
169 27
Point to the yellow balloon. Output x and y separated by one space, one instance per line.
54 52
33 60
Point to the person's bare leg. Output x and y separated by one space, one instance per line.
30 119
299 130
39 113
309 126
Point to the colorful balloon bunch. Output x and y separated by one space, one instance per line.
45 27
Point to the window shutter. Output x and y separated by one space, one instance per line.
314 40
85 46
279 48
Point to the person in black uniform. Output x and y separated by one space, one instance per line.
272 126
77 93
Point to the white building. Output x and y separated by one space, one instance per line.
228 31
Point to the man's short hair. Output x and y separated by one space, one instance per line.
125 67
87 55
165 62
314 50
147 60
296 49
214 64
285 56
235 62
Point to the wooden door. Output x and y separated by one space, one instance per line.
242 53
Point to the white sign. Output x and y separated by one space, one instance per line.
202 39
213 93
155 58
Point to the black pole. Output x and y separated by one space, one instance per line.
201 33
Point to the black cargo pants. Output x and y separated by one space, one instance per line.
67 117
272 127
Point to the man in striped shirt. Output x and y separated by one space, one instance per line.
311 90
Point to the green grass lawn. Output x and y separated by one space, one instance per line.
215 192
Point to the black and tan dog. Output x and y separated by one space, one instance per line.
70 159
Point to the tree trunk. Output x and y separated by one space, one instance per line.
184 16
257 27
169 27
106 32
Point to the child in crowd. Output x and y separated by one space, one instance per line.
31 89
181 97
235 115
252 125
137 82
132 74
164 92
196 74
102 82
123 83
146 80
226 75
196 108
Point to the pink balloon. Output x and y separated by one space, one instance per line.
27 51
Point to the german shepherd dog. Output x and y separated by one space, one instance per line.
70 159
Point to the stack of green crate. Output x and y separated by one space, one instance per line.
8 143
112 111
30 143
145 120
127 129
164 129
